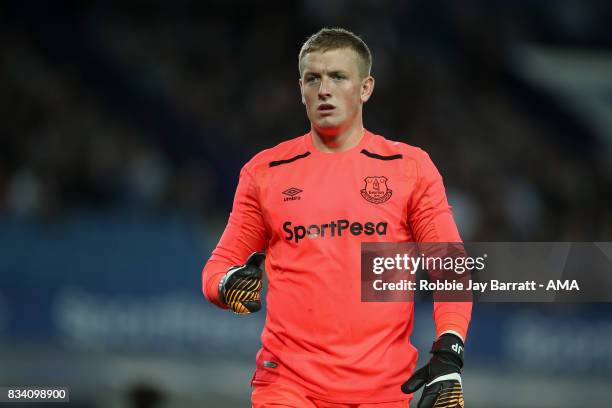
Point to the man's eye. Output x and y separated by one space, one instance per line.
339 76
311 79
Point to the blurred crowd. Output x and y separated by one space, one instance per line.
154 109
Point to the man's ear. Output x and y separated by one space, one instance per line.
302 91
367 87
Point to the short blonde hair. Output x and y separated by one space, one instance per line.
328 39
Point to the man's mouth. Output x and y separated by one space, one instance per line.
326 108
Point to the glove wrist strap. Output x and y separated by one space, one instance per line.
450 345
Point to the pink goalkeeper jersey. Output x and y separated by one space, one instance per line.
310 211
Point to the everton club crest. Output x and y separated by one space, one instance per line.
376 190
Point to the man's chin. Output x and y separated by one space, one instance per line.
327 127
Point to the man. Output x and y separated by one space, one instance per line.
309 203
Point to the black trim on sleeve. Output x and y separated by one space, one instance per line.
279 162
380 157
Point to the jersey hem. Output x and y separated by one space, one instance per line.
305 393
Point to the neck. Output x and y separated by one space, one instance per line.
335 142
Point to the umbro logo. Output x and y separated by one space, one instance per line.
292 194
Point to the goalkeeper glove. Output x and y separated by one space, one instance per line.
240 288
441 377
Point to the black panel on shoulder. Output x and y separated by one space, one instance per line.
294 158
381 157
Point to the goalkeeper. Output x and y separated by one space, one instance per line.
309 203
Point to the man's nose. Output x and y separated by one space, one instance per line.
324 90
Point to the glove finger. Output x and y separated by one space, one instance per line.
451 396
417 380
245 307
243 295
443 394
256 259
245 284
238 308
248 272
252 305
428 399
234 294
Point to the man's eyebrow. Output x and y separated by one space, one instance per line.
331 72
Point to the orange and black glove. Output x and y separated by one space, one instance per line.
240 288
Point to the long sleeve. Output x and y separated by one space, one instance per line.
431 220
244 234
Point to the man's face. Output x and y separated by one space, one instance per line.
333 90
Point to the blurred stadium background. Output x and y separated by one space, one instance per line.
124 126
